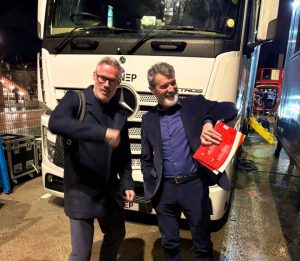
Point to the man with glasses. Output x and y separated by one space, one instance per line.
171 132
99 152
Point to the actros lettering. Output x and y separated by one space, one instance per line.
186 90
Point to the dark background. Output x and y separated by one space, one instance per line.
19 41
269 51
18 31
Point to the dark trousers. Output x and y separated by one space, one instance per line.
192 199
278 149
82 234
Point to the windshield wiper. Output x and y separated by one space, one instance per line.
148 35
63 43
177 27
184 28
140 41
105 28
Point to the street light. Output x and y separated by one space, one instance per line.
296 4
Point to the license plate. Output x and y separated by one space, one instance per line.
132 206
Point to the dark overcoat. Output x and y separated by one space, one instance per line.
95 176
194 111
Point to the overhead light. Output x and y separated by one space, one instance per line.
296 4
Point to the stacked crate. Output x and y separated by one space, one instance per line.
38 154
19 153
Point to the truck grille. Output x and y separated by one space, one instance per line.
145 101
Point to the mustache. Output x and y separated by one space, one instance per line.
169 94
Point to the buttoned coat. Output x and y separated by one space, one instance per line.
91 184
194 111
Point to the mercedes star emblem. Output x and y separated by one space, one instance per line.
127 99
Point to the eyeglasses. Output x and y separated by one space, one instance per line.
102 79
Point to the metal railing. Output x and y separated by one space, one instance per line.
22 118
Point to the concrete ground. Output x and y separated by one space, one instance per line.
33 227
263 224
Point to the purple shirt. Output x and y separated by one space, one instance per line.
177 155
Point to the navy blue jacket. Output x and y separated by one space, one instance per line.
194 111
86 161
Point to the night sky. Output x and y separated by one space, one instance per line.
18 36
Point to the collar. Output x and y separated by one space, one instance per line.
170 110
92 98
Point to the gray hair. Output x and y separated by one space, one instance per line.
113 62
160 68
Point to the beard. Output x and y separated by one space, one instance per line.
169 100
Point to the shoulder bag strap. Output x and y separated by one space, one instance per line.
81 111
81 108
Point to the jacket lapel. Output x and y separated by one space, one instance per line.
154 127
188 125
93 105
119 119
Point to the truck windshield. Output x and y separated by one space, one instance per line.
184 17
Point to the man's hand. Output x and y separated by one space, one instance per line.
129 195
209 136
112 137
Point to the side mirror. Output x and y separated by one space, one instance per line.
267 23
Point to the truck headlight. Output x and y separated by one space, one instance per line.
51 150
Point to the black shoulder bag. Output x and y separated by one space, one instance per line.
61 142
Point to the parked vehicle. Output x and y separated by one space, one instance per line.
288 123
213 45
266 93
265 99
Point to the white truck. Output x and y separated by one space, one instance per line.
213 45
